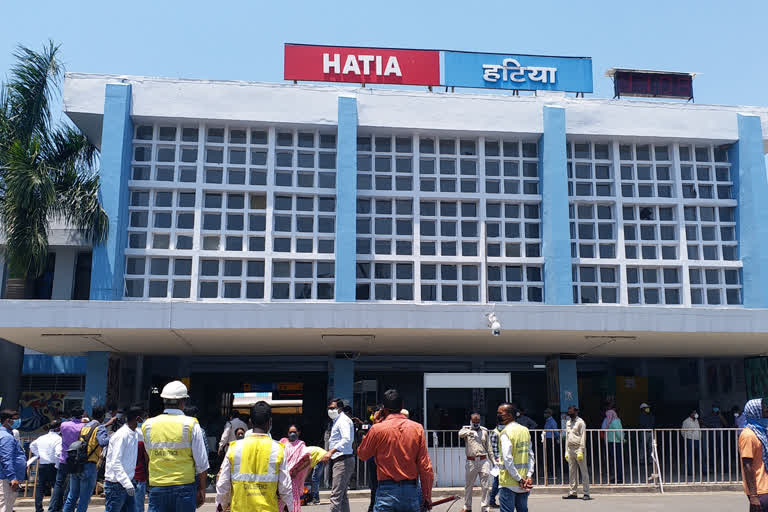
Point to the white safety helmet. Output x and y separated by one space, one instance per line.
644 405
175 390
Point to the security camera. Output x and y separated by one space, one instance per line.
493 324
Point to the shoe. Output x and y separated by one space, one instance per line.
587 497
570 497
494 505
316 502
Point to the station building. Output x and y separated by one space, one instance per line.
322 240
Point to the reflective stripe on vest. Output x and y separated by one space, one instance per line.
168 440
254 464
520 438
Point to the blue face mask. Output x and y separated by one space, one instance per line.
16 423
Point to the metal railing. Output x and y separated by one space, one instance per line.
627 457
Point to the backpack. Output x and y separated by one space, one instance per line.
78 453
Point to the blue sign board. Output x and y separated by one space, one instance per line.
522 72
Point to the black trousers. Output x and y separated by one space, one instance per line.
46 478
373 481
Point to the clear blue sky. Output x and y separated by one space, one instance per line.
242 40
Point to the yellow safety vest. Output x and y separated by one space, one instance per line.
520 437
168 440
254 464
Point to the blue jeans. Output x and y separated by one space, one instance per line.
60 489
117 499
317 476
141 492
397 497
173 498
81 487
511 501
494 490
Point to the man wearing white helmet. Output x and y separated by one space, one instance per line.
177 455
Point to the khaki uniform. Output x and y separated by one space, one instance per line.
479 453
575 443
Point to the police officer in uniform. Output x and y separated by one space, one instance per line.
177 455
254 471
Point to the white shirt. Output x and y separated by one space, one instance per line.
224 482
509 463
121 457
199 449
342 436
46 448
229 431
691 429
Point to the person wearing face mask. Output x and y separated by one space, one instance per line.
576 450
753 451
340 455
550 440
254 473
496 447
298 461
478 450
13 463
691 432
239 434
518 461
647 422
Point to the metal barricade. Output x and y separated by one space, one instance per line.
626 457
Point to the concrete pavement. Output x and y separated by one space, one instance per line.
678 502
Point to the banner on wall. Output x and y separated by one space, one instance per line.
436 67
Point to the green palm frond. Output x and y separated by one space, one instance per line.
33 84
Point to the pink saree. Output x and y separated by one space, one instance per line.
297 459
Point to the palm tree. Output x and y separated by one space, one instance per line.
46 171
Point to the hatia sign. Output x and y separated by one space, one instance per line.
361 65
437 67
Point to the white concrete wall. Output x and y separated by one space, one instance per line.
64 272
404 108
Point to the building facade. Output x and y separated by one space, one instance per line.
343 236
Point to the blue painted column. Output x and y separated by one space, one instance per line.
749 177
556 235
346 199
341 379
116 141
561 372
97 367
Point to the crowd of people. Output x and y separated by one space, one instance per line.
166 457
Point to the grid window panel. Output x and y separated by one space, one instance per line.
511 167
449 282
231 278
305 159
650 232
654 285
303 280
385 163
590 170
715 286
303 224
595 284
515 283
449 228
711 233
161 218
513 230
647 171
449 165
233 221
385 281
157 277
385 226
593 230
706 174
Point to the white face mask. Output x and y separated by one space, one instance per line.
476 426
696 416
333 413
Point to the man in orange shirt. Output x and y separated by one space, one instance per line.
400 449
753 449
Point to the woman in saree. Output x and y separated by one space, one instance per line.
299 458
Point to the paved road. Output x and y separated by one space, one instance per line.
677 502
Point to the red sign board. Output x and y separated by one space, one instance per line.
361 65
653 85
